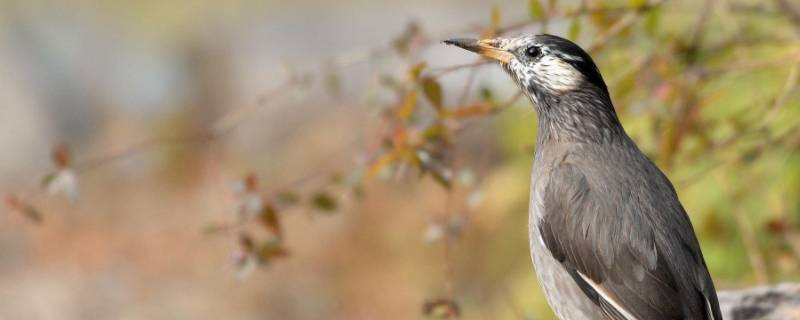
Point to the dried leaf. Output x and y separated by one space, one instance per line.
382 163
269 219
536 10
408 105
433 92
574 29
324 201
777 225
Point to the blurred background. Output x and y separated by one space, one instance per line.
165 159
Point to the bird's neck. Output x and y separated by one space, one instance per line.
585 116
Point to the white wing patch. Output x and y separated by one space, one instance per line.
603 294
709 310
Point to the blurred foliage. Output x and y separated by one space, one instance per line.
708 89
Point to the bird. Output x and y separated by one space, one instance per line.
609 237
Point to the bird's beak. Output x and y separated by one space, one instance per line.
488 48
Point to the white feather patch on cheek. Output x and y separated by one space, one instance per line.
556 75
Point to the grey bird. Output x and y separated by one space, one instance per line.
609 238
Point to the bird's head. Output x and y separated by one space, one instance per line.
557 75
540 64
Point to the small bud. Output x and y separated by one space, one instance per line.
62 157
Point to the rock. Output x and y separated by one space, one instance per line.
779 302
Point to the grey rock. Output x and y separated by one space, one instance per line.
779 302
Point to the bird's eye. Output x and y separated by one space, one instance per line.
533 51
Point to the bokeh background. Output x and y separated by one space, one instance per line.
165 159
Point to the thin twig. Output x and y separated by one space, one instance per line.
780 100
467 86
441 71
623 23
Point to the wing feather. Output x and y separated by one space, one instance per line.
632 260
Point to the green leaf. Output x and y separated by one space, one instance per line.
271 249
269 219
536 10
574 29
651 20
408 105
416 70
433 92
637 4
435 131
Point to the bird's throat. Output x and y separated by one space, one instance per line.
577 116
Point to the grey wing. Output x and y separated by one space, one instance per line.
633 264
